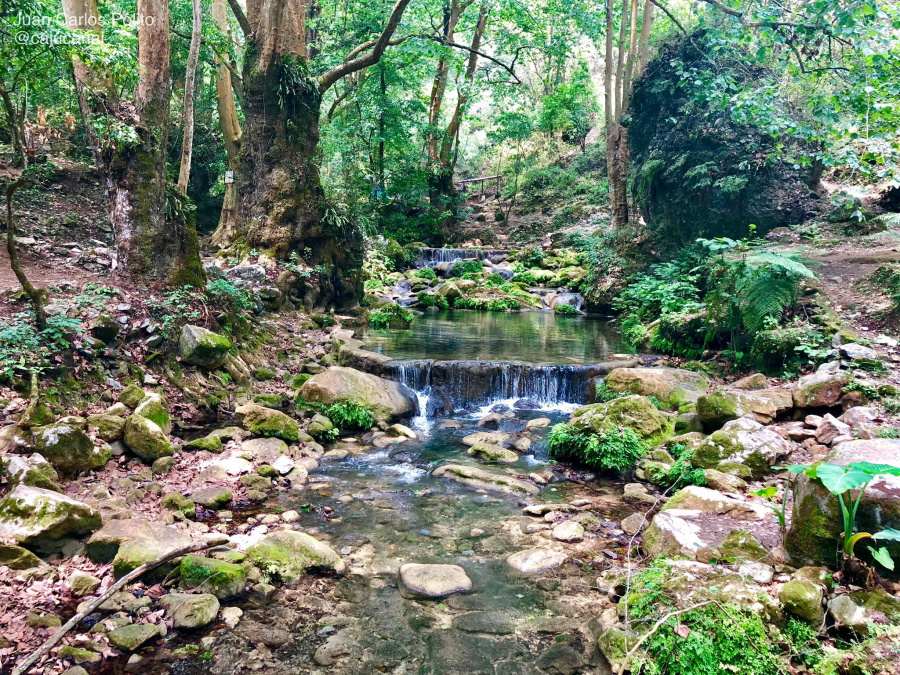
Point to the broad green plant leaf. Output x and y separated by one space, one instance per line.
766 493
889 534
876 469
881 555
840 479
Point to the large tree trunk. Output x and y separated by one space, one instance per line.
617 144
227 230
187 145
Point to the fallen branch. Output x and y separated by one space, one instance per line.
656 627
94 604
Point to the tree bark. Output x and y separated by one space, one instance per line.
40 316
184 174
617 138
632 52
227 231
644 42
620 60
13 123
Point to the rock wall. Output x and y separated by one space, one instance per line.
695 170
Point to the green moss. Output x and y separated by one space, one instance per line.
175 501
269 400
300 380
207 443
222 579
263 374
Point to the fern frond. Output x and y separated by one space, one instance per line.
765 294
778 261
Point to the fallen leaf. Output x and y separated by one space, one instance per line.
682 631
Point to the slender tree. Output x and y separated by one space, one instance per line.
187 144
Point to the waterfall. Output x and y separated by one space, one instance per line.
429 257
467 383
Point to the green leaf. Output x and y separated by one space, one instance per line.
876 469
839 479
766 493
881 555
889 534
793 468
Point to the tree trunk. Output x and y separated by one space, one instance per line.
187 144
632 51
644 42
13 123
40 316
617 150
620 61
227 230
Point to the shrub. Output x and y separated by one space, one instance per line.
494 281
463 267
612 450
350 415
23 348
502 305
533 256
527 278
228 296
567 310
432 300
426 273
393 316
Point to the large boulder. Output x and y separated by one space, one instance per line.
153 408
223 579
201 347
704 524
68 448
38 518
670 386
823 388
386 399
287 555
263 421
817 523
722 406
130 543
741 441
634 412
109 427
146 439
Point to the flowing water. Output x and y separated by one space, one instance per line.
381 509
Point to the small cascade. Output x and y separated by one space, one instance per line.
429 257
467 383
416 375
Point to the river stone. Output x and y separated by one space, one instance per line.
223 579
750 382
817 520
131 396
130 543
633 524
568 531
858 610
559 659
204 444
670 386
861 421
267 422
190 611
535 560
33 471
215 498
492 437
722 406
493 453
132 637
434 581
154 409
542 509
146 439
724 482
803 599
265 449
485 480
287 555
490 622
283 465
201 347
387 400
821 389
742 441
68 448
538 422
109 427
18 558
634 412
38 518
319 425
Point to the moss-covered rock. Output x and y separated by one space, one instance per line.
18 558
131 396
803 599
821 389
493 453
215 498
481 479
132 637
860 610
300 380
79 655
670 386
262 374
109 427
205 443
153 408
634 412
269 400
722 406
223 579
38 518
132 542
190 611
387 400
175 501
267 422
162 465
201 347
33 471
741 441
287 555
319 426
67 447
146 439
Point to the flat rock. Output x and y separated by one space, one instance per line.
535 560
485 480
434 581
568 531
38 518
130 543
190 611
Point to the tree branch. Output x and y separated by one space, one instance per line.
670 15
242 19
508 68
94 604
352 65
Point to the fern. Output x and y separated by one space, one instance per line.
786 264
762 294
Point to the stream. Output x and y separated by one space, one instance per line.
389 510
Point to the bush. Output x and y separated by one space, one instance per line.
613 450
426 273
567 310
23 348
432 300
682 473
228 296
350 416
494 281
533 256
463 267
527 278
393 316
